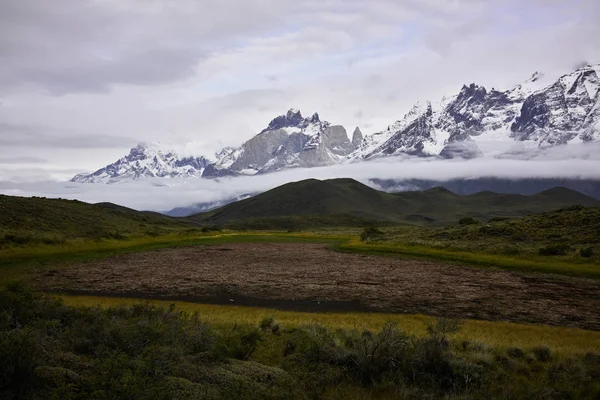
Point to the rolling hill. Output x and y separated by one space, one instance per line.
48 220
347 197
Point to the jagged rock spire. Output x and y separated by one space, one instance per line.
357 137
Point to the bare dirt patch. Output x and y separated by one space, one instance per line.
309 277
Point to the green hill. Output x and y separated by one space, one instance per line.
24 220
347 197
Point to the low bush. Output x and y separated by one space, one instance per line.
267 323
371 233
468 221
116 235
586 252
542 353
207 229
515 352
498 219
576 207
561 249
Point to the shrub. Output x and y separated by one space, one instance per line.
515 352
496 230
561 249
542 353
115 235
267 323
519 236
434 365
586 252
18 360
17 239
374 357
468 221
240 343
576 207
207 229
370 233
498 219
275 329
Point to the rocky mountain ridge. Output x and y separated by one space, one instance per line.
566 110
537 112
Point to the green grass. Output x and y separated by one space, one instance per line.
525 264
39 220
518 244
566 341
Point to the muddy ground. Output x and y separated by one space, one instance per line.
309 277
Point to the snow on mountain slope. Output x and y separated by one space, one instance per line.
290 140
146 161
537 111
566 110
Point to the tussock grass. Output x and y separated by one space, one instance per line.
495 334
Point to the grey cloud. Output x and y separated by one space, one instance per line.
69 46
84 45
23 160
32 136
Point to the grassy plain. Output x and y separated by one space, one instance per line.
496 334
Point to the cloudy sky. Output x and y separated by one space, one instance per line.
82 81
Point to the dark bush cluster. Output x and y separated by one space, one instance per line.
498 219
586 252
371 233
48 350
22 240
576 207
389 355
560 249
468 221
207 229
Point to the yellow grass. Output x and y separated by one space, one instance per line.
497 334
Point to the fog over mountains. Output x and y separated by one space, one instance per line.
522 121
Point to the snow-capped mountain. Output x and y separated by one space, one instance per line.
539 112
290 140
562 111
146 161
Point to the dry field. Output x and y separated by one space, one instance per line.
309 277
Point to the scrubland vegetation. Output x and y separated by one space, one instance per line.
50 350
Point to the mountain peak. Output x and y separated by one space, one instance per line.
292 119
293 112
535 76
357 138
473 90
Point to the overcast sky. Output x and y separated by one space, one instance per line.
82 81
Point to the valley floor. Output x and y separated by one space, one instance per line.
311 277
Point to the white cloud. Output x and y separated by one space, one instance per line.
573 162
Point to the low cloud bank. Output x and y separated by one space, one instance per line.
573 162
